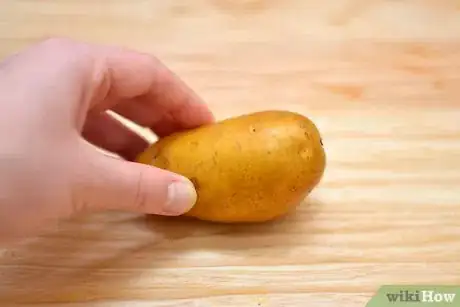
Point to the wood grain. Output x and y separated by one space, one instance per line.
382 81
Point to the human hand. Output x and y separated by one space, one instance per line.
53 102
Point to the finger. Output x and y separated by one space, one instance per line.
105 131
142 89
110 183
164 117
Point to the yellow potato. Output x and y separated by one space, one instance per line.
250 168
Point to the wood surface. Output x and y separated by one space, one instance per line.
382 81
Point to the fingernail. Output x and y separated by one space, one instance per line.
181 197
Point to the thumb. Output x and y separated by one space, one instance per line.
111 183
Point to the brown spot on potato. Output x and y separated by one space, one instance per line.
161 161
305 153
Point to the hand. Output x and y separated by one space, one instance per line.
53 102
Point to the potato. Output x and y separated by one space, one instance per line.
250 168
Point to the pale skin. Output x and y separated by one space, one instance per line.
53 103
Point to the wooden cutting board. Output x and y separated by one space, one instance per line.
382 81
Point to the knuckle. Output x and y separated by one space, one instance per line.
140 200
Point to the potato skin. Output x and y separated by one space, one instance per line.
250 168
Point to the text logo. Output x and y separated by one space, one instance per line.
435 296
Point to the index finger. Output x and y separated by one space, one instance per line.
139 87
